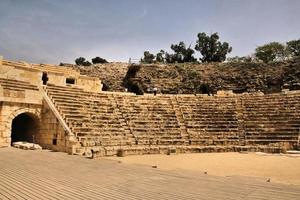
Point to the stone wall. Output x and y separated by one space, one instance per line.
51 133
17 97
58 75
10 110
17 72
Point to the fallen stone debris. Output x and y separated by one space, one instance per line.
293 152
27 146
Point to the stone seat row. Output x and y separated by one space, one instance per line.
83 100
271 124
53 68
113 114
74 94
208 105
269 108
17 85
271 134
212 126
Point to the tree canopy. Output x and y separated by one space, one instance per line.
160 56
82 61
273 51
211 49
182 54
97 60
293 47
243 59
148 57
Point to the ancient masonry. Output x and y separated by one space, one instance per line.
62 110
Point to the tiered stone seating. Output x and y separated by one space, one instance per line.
271 118
153 124
13 63
92 117
16 85
152 120
42 67
54 69
210 120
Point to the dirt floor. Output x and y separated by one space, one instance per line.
276 167
43 174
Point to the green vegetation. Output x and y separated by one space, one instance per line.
243 59
182 54
293 47
97 60
83 62
270 52
211 49
148 57
160 56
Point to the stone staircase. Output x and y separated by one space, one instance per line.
93 117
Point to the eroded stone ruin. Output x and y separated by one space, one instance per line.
68 112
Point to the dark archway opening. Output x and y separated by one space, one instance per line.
105 87
70 81
24 128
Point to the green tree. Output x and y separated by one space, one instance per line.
148 57
183 54
97 60
243 59
160 56
293 47
87 63
211 49
170 58
273 51
82 61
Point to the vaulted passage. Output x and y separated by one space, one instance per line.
24 128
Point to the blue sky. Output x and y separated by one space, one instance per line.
53 31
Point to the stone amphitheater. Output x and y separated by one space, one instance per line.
68 112
64 111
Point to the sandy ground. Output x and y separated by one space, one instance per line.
278 168
43 174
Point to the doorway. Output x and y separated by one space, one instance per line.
24 128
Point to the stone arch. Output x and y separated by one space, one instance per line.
32 112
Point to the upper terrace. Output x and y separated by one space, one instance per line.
39 74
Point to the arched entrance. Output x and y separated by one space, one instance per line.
24 127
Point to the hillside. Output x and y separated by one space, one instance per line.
198 78
111 74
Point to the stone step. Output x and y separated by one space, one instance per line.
14 86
